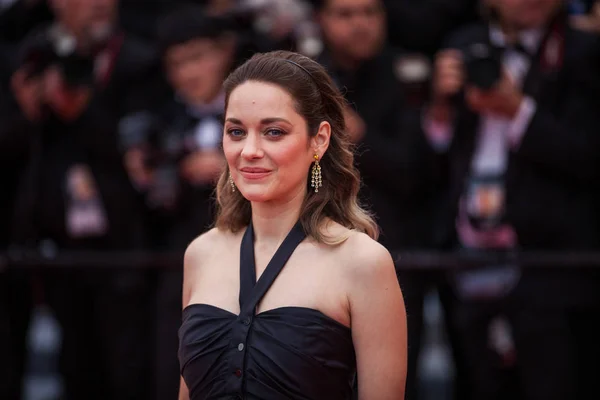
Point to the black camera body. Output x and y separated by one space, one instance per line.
163 143
164 148
483 65
48 49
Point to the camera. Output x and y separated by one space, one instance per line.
51 47
483 65
164 148
163 144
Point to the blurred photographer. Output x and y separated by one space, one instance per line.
174 158
515 111
383 120
380 118
76 78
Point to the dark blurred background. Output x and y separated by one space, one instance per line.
477 128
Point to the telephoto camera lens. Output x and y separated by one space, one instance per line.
483 65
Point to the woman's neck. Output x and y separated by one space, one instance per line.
273 221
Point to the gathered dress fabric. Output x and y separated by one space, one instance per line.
283 353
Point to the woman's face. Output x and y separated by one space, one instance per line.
267 145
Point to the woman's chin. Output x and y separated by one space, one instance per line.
256 194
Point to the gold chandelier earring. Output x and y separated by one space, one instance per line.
316 179
231 183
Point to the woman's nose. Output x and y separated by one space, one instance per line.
252 147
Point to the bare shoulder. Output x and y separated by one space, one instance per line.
205 245
201 245
365 257
361 256
199 256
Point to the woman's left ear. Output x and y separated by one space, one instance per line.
320 142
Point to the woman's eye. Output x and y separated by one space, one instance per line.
274 132
235 132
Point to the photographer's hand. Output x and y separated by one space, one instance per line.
28 93
139 174
448 80
66 102
503 100
202 167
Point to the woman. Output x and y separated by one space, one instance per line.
253 329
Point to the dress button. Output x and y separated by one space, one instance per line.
246 321
241 346
238 373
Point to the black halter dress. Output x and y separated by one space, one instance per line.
284 353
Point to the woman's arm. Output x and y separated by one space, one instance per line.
184 394
190 266
378 324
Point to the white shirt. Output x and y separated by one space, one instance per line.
496 134
208 133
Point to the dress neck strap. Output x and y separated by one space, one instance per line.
251 291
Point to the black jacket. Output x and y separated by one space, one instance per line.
393 157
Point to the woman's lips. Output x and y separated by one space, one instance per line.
253 173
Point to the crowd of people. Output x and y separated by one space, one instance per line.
476 128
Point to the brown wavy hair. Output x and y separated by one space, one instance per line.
316 99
